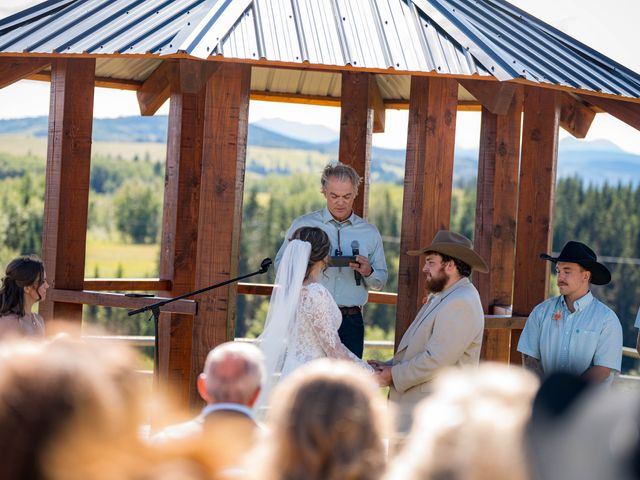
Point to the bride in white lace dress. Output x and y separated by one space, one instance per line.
303 319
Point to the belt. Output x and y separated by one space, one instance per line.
349 310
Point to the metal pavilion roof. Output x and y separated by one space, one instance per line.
459 38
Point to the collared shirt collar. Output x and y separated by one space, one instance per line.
581 303
236 407
327 218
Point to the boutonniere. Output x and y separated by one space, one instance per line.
557 316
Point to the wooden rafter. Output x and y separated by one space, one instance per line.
13 69
575 116
376 102
186 76
494 96
628 112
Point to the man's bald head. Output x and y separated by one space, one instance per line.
233 373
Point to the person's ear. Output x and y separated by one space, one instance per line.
252 400
202 387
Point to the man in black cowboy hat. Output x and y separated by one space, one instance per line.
447 331
574 332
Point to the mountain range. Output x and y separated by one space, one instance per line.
594 161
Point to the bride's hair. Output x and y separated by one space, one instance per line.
320 245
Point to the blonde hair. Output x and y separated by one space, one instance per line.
326 423
471 427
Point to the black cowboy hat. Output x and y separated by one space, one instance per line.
576 252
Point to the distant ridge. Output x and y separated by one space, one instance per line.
595 162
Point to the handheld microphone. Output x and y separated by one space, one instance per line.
355 248
265 264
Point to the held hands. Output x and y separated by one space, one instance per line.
362 266
382 373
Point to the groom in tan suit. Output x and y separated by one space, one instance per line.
447 330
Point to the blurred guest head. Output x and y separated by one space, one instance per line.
580 431
65 406
325 423
233 373
471 427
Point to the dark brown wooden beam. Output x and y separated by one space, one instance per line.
538 165
356 127
496 211
377 104
157 88
427 184
180 234
220 212
184 75
494 96
126 284
194 74
67 187
118 300
103 82
627 112
13 69
575 116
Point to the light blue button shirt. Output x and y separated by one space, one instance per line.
340 281
573 342
637 324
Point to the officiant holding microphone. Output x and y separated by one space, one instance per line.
357 261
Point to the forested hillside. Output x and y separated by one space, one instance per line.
282 183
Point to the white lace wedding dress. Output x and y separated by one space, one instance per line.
314 333
301 325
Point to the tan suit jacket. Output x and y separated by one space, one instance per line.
447 331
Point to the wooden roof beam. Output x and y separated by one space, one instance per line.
376 102
185 76
494 96
628 112
13 69
157 88
575 116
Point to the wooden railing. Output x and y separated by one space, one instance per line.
95 293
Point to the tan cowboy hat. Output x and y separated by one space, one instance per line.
456 246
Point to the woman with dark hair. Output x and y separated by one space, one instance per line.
303 319
24 285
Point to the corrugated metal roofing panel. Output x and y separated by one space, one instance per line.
454 37
520 45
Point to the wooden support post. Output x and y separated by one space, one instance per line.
496 210
221 189
356 126
535 205
180 233
67 181
427 184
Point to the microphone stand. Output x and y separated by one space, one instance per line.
155 307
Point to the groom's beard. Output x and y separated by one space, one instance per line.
436 284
